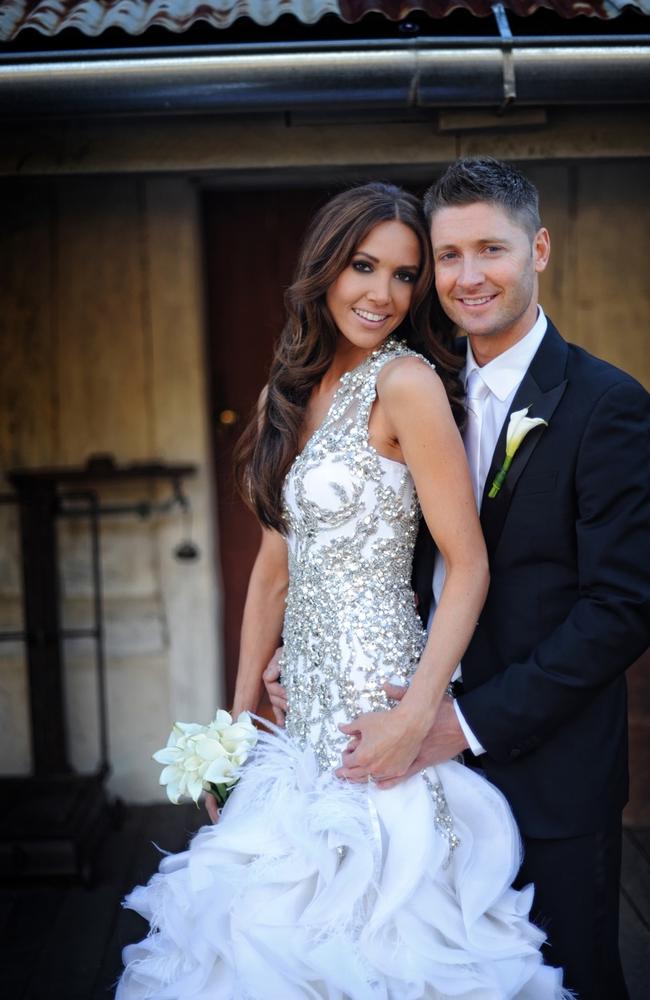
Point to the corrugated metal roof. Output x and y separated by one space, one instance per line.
92 17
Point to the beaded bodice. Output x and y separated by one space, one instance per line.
350 621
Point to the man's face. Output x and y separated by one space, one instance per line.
486 274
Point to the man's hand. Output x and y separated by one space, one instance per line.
444 740
277 694
212 807
383 745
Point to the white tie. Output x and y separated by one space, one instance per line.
476 394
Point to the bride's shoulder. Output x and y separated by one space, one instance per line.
411 394
407 373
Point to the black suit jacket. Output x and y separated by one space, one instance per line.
569 602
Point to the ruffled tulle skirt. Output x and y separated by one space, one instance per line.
312 888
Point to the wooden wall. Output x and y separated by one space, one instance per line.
309 141
597 292
596 287
101 350
101 340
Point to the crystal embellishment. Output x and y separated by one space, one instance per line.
350 622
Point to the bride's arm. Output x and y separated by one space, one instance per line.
261 629
418 418
262 620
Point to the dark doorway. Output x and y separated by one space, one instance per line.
252 240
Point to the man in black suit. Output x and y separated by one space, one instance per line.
542 700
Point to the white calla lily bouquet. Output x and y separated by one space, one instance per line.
206 758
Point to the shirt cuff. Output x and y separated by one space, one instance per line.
472 742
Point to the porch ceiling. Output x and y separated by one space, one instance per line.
93 17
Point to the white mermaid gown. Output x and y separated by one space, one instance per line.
310 887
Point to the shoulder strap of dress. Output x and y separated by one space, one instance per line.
393 351
368 391
399 351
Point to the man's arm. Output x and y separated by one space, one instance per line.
609 625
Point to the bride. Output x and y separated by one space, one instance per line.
309 886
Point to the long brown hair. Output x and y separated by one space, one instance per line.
307 343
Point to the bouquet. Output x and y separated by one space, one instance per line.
206 758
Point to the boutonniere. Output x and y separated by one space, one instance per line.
518 427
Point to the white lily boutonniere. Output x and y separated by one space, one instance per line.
518 427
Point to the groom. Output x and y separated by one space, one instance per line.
541 707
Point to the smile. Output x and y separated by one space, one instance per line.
371 317
477 301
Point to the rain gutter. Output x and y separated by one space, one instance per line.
341 76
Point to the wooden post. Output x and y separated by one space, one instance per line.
37 504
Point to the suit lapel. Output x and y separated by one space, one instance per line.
542 388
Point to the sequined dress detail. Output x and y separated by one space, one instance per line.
311 888
350 622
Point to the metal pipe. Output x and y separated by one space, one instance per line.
418 73
143 509
285 48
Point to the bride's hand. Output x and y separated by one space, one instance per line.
383 744
212 808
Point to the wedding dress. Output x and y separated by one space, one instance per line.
310 887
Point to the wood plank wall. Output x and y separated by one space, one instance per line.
597 292
101 341
101 345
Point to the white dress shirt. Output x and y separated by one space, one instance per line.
491 390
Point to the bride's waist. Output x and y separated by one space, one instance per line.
352 614
391 556
347 591
385 634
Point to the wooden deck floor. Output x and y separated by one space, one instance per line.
63 942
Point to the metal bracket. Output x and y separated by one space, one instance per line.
509 82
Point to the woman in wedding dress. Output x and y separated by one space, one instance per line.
309 887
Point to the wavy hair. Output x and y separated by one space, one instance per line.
307 344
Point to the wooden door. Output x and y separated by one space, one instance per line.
252 240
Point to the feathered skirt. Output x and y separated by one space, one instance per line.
311 888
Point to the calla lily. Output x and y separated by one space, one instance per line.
173 793
209 749
518 427
186 728
170 774
194 787
222 719
206 758
168 755
237 735
219 772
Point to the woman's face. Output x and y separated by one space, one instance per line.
372 294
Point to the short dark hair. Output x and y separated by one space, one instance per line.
483 178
